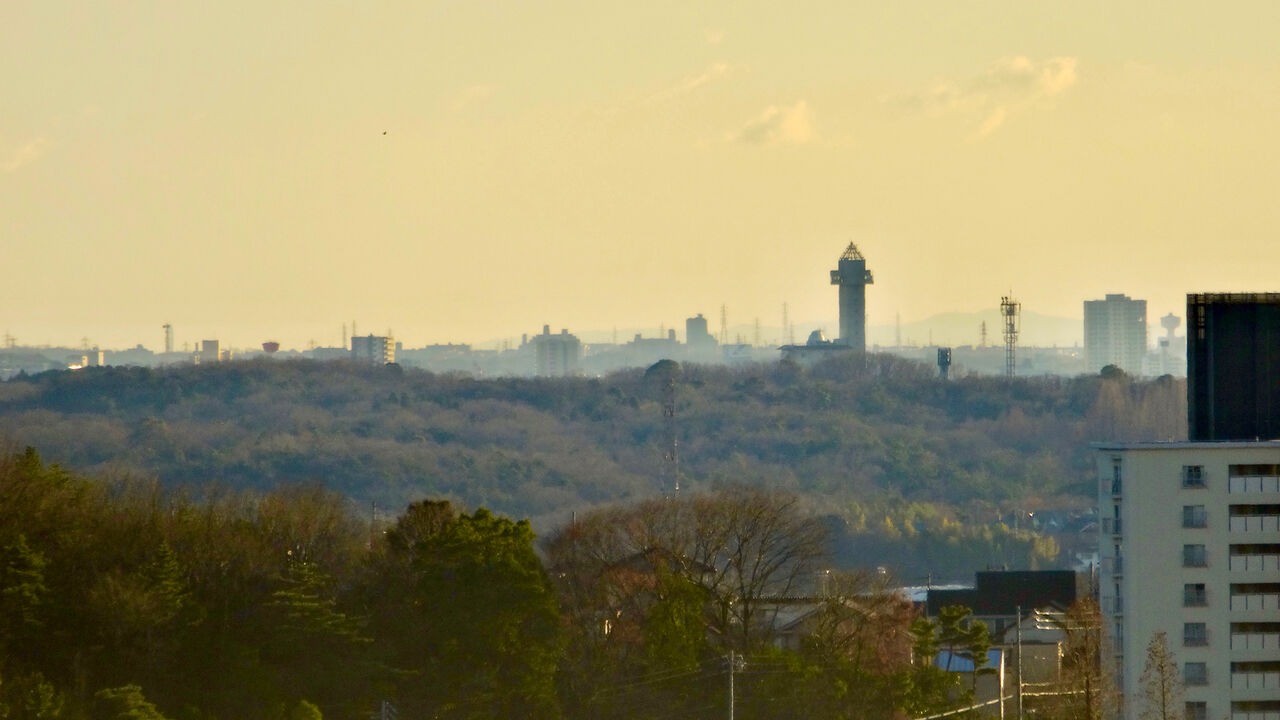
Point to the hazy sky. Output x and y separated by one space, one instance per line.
457 171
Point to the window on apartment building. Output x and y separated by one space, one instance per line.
1195 634
1194 556
1115 476
1194 595
1194 516
1195 673
1192 476
1197 710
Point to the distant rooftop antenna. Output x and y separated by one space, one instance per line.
757 335
1011 315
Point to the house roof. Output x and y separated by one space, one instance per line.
962 663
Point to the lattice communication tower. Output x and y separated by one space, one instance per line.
1011 316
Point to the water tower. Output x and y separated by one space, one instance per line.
853 277
270 347
1170 323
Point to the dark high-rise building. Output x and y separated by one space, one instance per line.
1233 366
696 335
853 277
373 349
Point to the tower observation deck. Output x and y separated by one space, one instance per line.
853 277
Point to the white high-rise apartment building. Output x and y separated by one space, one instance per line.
1190 545
1115 333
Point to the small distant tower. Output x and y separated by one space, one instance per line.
982 334
853 277
1011 316
1170 324
944 362
168 338
724 325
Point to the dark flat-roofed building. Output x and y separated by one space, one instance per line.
997 594
1233 366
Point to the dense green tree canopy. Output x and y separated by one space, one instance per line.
927 477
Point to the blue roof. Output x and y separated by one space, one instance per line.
961 663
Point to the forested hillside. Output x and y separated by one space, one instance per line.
900 461
122 600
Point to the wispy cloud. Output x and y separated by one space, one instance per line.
692 82
471 95
18 157
779 125
1007 88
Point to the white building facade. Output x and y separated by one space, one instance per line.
1190 546
1115 333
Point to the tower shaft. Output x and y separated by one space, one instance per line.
853 277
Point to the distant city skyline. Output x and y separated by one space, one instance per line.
464 171
952 328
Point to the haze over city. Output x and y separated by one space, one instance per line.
469 171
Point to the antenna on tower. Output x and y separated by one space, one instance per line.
168 337
724 325
1011 314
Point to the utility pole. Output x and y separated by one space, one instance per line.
732 662
1018 634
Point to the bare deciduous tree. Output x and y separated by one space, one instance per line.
1161 684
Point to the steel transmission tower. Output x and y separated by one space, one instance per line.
1011 316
